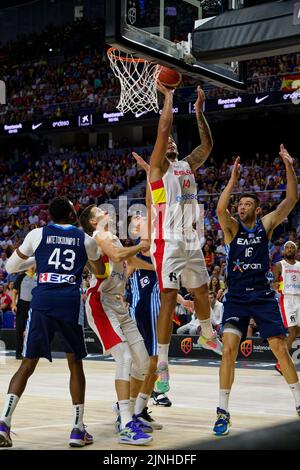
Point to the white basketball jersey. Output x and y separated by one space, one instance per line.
114 279
290 278
175 201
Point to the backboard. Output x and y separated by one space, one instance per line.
161 31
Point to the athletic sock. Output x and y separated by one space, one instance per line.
78 417
126 415
206 328
163 353
10 404
141 402
224 399
295 388
132 404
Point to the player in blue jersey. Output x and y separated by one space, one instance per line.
248 277
144 305
60 251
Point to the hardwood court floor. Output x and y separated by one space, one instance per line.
43 416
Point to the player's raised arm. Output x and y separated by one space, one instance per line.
275 218
117 254
228 224
138 263
201 153
158 162
141 162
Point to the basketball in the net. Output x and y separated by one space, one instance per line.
169 77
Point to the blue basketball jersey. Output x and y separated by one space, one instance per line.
248 264
60 259
145 304
142 282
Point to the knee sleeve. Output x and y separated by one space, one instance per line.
122 355
140 361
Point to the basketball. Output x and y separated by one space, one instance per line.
169 77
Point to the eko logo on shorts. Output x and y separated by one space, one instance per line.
55 278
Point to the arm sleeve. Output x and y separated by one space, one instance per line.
91 248
31 242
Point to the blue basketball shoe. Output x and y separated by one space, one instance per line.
132 434
142 424
144 427
5 439
80 438
222 425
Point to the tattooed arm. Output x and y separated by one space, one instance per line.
201 153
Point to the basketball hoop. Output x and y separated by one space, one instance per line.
138 82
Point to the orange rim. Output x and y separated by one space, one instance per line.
110 53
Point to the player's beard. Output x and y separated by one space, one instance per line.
248 218
290 257
172 156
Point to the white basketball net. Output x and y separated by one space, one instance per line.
138 82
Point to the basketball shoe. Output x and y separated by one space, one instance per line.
143 425
160 399
133 435
5 439
213 343
145 418
222 425
298 411
162 383
80 438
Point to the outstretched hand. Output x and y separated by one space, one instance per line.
140 161
163 89
200 100
286 158
236 170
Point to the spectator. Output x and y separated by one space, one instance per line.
208 256
216 273
276 253
252 328
216 311
5 302
3 260
191 328
21 298
221 250
214 285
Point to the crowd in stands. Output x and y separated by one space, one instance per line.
56 74
87 176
